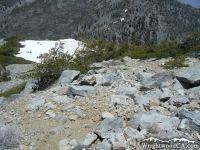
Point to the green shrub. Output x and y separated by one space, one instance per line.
9 49
177 62
15 90
52 65
4 76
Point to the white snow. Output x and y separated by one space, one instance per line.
32 49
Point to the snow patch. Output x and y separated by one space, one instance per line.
32 49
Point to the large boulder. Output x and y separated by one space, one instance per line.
88 139
190 75
128 91
68 76
96 79
143 76
31 85
155 122
153 96
81 91
106 127
35 104
192 116
121 100
11 98
156 80
194 93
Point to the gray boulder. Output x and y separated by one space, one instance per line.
143 76
134 134
156 80
61 118
68 76
177 85
58 129
61 99
88 139
194 93
148 96
166 94
118 140
184 125
190 75
193 116
68 107
121 100
154 122
11 98
105 145
30 86
181 101
126 59
88 80
35 104
104 128
96 79
81 91
128 91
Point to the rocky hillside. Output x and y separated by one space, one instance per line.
139 21
116 106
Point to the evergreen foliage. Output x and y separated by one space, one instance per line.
9 49
15 90
177 62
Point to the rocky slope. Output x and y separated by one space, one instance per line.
116 106
135 21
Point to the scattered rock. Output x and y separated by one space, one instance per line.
30 87
58 129
128 91
61 99
121 100
106 115
156 80
166 94
68 107
190 75
68 76
61 118
81 91
155 122
36 103
88 139
105 145
126 59
107 125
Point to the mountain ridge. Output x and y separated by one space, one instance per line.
141 22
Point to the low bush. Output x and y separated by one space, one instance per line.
9 49
15 90
52 65
177 62
5 76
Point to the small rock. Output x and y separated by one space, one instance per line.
58 129
62 118
67 108
73 117
81 91
88 139
106 115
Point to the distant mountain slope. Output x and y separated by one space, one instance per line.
139 21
